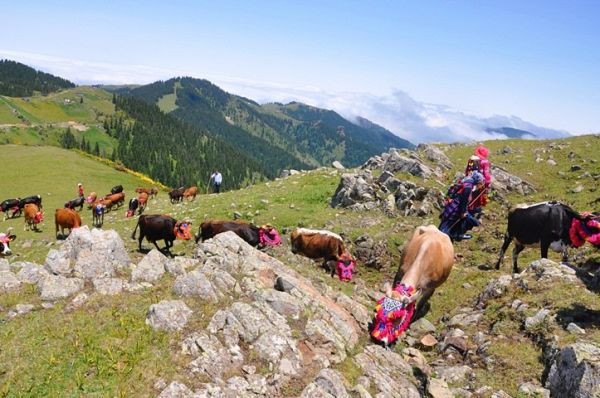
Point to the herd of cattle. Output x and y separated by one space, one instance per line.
426 262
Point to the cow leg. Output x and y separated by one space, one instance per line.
507 239
515 255
565 254
423 304
140 239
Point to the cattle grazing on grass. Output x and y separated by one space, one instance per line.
98 210
5 239
265 235
33 216
156 227
11 205
190 193
425 264
544 224
132 207
66 218
149 191
116 199
34 199
77 202
176 195
143 202
323 244
116 189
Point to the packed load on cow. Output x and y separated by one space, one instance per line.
327 245
426 263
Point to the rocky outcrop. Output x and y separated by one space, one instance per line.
504 182
575 372
168 315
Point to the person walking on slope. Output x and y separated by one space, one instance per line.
80 189
217 179
479 162
456 219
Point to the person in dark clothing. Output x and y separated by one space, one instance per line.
455 218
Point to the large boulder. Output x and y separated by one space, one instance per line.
354 188
55 287
435 155
504 182
575 372
9 282
411 164
151 268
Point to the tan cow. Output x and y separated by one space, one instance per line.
426 263
33 216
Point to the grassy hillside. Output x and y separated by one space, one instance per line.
105 348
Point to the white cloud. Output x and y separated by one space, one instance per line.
398 111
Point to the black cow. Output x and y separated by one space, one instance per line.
545 224
133 205
11 204
176 195
116 189
35 199
158 227
78 202
5 240
247 232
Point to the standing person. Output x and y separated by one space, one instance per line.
456 218
217 180
80 189
479 162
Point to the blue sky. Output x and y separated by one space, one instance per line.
449 66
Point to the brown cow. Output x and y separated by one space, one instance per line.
149 191
323 244
191 192
426 262
66 218
33 216
116 199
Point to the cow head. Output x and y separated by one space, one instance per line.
5 240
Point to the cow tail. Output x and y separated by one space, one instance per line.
135 229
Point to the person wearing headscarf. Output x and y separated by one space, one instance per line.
479 162
456 219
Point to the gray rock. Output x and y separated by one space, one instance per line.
151 268
494 289
454 374
179 265
400 163
211 357
22 309
283 303
9 282
55 287
533 391
438 388
169 315
77 301
109 286
195 283
504 182
575 329
420 327
337 165
283 285
548 270
58 263
328 383
176 390
31 273
435 155
579 188
390 374
575 371
533 321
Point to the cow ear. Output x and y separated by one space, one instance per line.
12 237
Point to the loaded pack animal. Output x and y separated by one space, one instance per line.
426 262
116 189
5 239
33 216
327 245
116 199
190 193
98 210
66 218
11 205
138 204
156 227
176 195
265 235
77 202
544 224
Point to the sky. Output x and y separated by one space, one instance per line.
426 70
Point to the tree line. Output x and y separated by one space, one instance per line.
19 80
